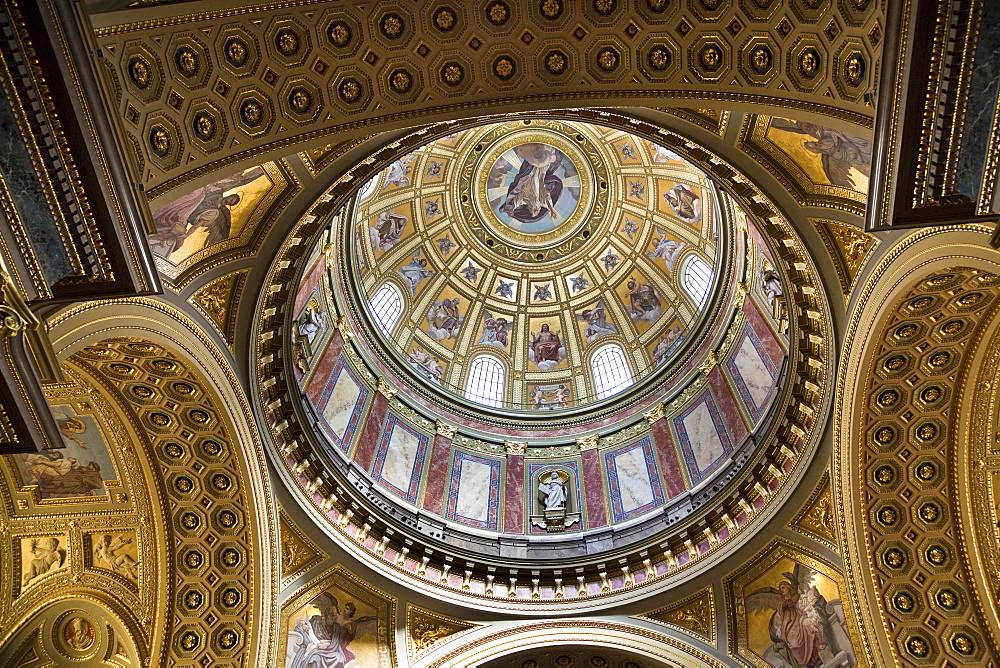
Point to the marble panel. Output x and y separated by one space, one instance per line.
342 402
633 480
474 493
702 435
753 372
399 460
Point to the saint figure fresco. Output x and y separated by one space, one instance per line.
546 349
324 639
209 208
495 330
668 342
387 230
415 272
805 629
685 203
644 302
542 192
665 248
597 323
444 319
839 152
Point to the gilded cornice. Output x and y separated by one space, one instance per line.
694 615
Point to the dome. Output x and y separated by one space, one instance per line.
535 265
458 323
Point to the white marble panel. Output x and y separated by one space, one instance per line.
633 479
474 490
753 371
702 435
399 458
340 406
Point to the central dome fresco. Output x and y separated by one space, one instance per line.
536 264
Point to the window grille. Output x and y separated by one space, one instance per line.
386 305
697 280
610 371
485 382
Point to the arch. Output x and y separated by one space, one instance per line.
486 380
610 370
149 320
889 286
696 279
386 305
491 643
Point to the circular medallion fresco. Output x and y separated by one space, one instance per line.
533 188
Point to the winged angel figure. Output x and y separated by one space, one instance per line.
323 641
804 625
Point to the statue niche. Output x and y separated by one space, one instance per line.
554 507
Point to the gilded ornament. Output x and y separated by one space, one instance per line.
300 100
655 413
888 398
339 34
159 419
551 9
936 555
183 484
608 59
227 519
187 61
228 639
926 432
251 112
952 327
231 597
193 559
391 25
947 599
159 140
894 363
445 430
401 80
236 51
189 641
885 435
904 602
204 126
917 646
230 557
349 89
929 512
939 281
287 42
854 69
658 5
885 474
193 599
962 643
940 359
444 19
142 391
660 57
211 448
887 516
921 303
809 62
504 67
221 482
893 558
761 59
452 73
605 7
926 471
555 62
711 57
139 72
173 451
588 442
190 521
970 299
498 13
183 389
514 447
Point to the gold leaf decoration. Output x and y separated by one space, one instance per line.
694 615
425 628
298 553
816 518
849 249
215 298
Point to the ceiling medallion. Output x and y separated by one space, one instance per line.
532 188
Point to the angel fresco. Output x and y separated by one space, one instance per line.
387 230
597 323
666 249
208 208
495 330
669 341
685 203
806 630
644 302
425 364
444 319
398 173
415 272
839 152
323 640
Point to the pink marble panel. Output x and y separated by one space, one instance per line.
368 442
763 331
593 489
666 452
513 517
309 281
725 401
437 475
327 360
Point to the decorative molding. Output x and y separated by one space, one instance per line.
694 615
816 518
298 553
217 301
425 629
850 249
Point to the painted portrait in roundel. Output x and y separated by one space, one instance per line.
533 187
